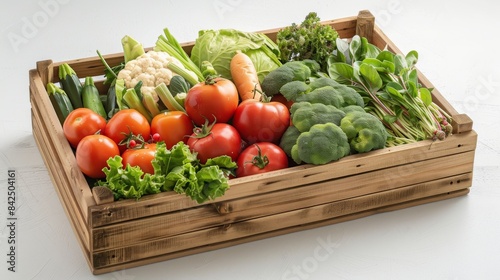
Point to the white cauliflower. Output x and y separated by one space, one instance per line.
152 69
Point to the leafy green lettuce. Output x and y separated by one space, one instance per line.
177 169
219 46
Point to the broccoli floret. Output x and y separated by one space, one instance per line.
364 131
325 95
309 40
350 96
288 139
293 89
322 144
351 108
305 115
290 71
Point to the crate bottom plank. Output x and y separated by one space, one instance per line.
261 225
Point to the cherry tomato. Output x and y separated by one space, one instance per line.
80 123
92 154
216 140
171 127
215 101
126 123
260 158
141 157
261 121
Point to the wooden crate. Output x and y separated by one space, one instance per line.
159 227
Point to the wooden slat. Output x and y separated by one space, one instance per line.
288 178
282 201
274 222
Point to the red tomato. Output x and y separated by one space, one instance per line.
92 154
126 123
261 121
218 140
172 127
80 123
260 158
215 101
141 157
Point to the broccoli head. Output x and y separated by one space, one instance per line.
325 95
290 71
288 139
364 131
305 115
293 89
350 96
322 144
351 108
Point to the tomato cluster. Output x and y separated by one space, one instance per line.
215 123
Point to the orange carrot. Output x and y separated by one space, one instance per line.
245 77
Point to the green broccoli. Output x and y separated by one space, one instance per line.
293 89
350 95
364 131
322 144
288 139
351 108
290 71
325 95
304 115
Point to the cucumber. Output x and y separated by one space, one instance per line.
91 98
71 84
60 101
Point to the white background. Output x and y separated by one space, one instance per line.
454 239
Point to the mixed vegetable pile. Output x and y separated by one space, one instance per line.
239 104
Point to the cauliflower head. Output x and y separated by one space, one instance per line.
152 69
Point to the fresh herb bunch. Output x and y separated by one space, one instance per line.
309 40
389 83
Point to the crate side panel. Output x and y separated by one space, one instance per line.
280 221
220 245
59 180
288 178
278 202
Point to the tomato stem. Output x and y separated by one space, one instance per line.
259 160
132 141
204 130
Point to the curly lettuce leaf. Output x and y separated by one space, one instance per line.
177 169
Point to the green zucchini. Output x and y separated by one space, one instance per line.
111 105
71 84
91 98
60 101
